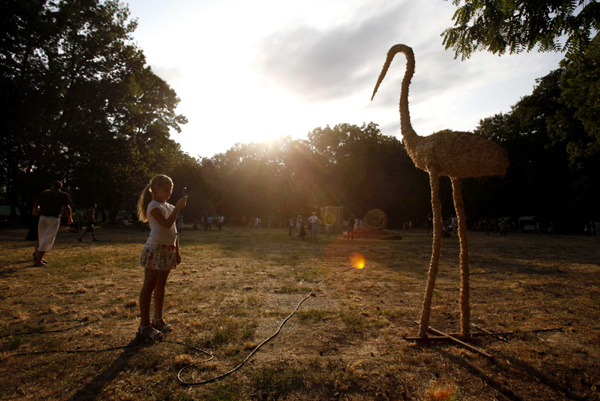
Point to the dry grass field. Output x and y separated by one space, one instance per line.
59 324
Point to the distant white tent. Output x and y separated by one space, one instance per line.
527 223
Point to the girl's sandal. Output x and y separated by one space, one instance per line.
149 333
44 261
161 325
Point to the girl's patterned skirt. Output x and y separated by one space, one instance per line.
159 257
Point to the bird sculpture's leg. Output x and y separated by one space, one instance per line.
434 181
465 309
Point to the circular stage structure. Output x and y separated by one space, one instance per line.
375 219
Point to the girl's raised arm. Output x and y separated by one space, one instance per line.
167 222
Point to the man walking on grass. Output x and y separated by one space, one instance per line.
90 218
50 205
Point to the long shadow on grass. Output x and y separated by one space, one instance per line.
91 390
539 376
486 378
11 270
551 253
492 254
530 371
559 249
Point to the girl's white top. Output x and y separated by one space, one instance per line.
158 234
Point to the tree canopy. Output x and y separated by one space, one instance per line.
554 156
346 165
78 102
521 25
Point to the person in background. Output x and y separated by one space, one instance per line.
32 234
299 225
50 205
350 232
312 221
77 220
90 220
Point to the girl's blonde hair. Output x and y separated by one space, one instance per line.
146 196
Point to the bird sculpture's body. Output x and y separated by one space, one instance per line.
445 153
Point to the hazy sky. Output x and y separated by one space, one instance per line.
248 71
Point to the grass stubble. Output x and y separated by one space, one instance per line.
345 343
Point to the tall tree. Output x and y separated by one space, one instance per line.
580 91
364 169
78 102
521 25
577 129
553 163
250 180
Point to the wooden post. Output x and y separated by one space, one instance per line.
498 335
436 205
467 345
465 307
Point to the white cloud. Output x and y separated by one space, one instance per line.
324 64
248 71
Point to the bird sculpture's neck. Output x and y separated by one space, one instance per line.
408 133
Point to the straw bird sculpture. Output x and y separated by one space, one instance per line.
445 153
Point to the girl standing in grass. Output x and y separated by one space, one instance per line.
160 254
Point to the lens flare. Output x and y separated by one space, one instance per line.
357 260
